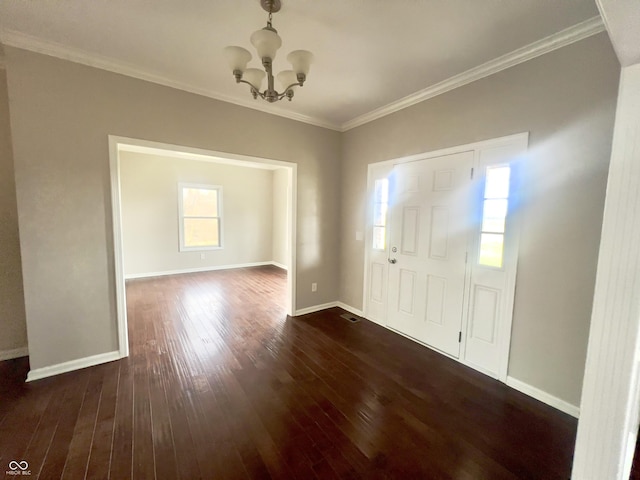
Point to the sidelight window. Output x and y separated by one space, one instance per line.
494 215
380 210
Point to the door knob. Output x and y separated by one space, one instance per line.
392 260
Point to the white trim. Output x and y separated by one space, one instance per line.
544 397
117 143
72 365
279 265
490 143
350 309
611 386
129 144
213 268
548 44
77 55
315 308
553 42
325 306
118 254
14 353
292 216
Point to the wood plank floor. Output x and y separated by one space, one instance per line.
221 384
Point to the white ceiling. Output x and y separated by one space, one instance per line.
622 18
369 53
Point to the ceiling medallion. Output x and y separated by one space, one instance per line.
267 42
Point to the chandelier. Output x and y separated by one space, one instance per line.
267 42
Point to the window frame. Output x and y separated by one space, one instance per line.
181 217
481 230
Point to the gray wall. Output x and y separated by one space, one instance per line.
61 115
150 226
12 318
566 100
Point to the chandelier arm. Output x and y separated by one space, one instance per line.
275 96
250 84
297 84
254 91
286 93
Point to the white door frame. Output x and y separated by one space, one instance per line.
519 139
117 144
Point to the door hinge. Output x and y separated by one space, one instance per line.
459 337
471 173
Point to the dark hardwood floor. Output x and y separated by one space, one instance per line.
221 384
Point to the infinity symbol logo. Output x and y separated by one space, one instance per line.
23 465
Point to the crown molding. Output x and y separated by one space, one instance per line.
548 44
28 42
553 42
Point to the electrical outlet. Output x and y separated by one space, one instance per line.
202 256
314 287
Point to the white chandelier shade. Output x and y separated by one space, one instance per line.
266 42
237 58
300 60
287 78
255 77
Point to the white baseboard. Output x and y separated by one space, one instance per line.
14 353
324 306
315 308
65 367
199 269
279 265
544 397
350 309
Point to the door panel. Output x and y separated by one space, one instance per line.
407 292
410 230
378 280
430 216
484 313
439 233
436 294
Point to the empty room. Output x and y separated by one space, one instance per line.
337 239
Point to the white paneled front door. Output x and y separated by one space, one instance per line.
442 249
430 224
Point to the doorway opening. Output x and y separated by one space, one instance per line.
216 228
